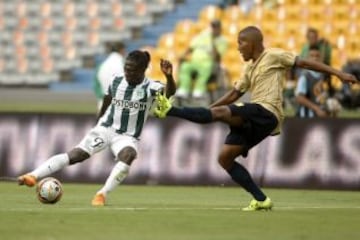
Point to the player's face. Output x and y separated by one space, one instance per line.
216 31
312 37
134 74
315 55
245 46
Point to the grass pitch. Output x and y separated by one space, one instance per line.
164 213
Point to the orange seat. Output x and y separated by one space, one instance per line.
167 40
209 13
45 9
69 9
186 27
92 9
232 14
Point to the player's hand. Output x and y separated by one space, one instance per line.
321 113
166 67
348 78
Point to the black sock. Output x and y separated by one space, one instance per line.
196 114
240 175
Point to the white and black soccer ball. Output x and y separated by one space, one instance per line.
49 190
333 106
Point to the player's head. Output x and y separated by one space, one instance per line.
119 47
136 63
312 36
116 47
314 53
250 42
216 27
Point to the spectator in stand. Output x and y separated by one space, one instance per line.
309 91
324 46
112 66
203 55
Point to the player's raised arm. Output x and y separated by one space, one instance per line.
167 69
321 67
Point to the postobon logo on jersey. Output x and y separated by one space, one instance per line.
129 104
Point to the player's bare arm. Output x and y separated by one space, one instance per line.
105 105
229 97
321 67
167 69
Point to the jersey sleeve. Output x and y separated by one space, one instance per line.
108 90
287 59
156 86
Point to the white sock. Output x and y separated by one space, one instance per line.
53 164
117 175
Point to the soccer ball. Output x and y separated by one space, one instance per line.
49 190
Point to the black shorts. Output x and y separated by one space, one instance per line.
258 124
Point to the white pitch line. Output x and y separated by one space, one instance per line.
168 208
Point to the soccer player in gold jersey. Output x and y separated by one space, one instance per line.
250 123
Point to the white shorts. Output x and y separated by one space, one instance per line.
99 137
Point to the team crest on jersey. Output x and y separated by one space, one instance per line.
140 93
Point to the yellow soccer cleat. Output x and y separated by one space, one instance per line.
27 179
98 200
259 205
163 105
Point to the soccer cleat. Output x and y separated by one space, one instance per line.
98 200
27 179
259 205
163 105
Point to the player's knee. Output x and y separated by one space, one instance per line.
225 162
220 113
127 155
77 155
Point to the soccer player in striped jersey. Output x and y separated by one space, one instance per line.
121 119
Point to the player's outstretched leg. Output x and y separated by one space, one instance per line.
53 164
27 179
163 105
195 114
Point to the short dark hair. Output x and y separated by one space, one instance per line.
141 57
216 23
313 30
116 46
254 32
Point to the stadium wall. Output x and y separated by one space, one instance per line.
318 154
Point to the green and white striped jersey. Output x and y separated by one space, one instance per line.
130 105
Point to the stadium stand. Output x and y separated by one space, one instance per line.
284 25
40 39
53 48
